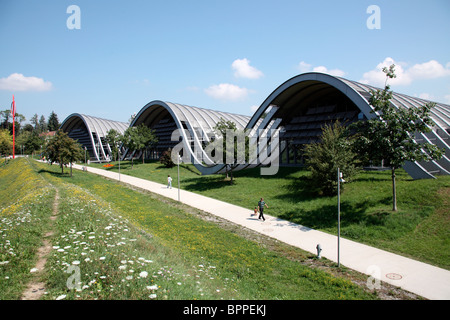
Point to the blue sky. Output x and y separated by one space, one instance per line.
222 55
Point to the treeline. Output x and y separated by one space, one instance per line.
30 137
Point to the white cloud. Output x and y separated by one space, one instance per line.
226 91
426 96
243 69
404 75
18 82
429 70
306 67
254 108
447 98
377 77
333 72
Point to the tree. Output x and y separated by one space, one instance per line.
33 142
72 152
63 150
35 123
323 158
236 153
5 114
138 139
147 139
5 142
390 135
28 127
130 141
166 159
114 139
222 128
42 124
53 122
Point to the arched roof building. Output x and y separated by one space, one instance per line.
90 132
195 127
290 117
301 105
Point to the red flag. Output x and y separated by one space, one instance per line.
13 111
13 107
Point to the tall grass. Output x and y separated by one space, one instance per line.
26 203
107 230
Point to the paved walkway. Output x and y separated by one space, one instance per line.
425 280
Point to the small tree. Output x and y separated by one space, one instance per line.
221 129
323 158
147 139
239 149
129 141
166 159
53 122
63 150
390 135
35 123
114 139
138 139
42 124
72 152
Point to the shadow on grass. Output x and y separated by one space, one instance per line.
217 181
66 173
185 167
377 176
206 183
352 213
283 173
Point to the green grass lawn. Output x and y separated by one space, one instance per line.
121 243
26 202
419 229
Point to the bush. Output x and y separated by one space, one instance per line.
325 157
166 159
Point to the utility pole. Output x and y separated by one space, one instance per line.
339 179
178 155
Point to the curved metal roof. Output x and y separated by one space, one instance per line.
290 94
96 128
196 117
196 126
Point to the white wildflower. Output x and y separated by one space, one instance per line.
153 287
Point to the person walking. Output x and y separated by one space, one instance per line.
169 181
261 205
